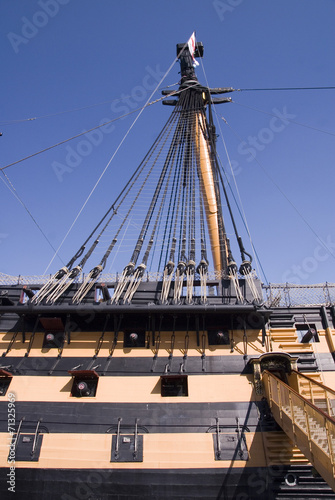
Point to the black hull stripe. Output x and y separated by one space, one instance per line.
144 366
96 418
261 483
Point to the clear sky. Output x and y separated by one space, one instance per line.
60 58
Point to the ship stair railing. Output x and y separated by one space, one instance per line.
311 387
309 427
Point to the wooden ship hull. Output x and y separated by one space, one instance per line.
184 384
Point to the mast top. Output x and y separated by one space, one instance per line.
187 61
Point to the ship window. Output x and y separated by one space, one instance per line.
307 333
174 385
84 383
5 380
218 336
134 338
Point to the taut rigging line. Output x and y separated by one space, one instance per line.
188 173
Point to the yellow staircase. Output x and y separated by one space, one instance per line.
311 388
286 339
309 425
280 450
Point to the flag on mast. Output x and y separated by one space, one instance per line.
191 48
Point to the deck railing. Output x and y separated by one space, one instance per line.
290 295
275 295
41 279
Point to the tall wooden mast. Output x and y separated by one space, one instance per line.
206 155
208 191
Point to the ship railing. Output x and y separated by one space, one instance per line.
291 295
320 395
310 428
274 294
6 279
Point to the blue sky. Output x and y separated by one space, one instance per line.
61 58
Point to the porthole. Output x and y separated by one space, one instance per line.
291 479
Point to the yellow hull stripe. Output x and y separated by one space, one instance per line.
160 451
116 389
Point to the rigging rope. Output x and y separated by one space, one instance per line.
170 159
137 278
67 280
97 182
91 278
288 119
240 208
14 122
140 110
120 99
169 266
12 189
218 171
99 179
54 290
190 268
187 130
170 219
245 269
290 88
124 192
232 270
286 197
202 268
242 215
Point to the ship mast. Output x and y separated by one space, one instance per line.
181 178
205 139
